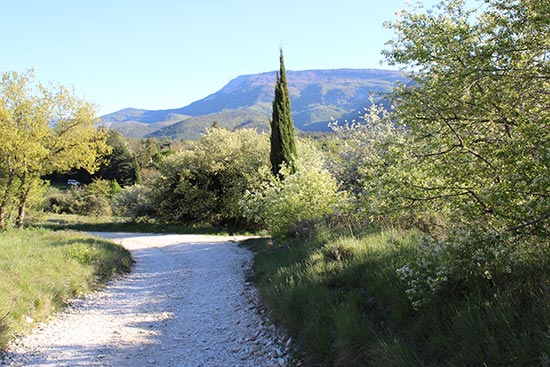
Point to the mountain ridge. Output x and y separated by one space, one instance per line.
317 97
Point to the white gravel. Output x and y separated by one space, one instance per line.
186 303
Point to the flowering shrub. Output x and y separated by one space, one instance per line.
379 168
458 262
307 195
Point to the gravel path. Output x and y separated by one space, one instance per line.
186 303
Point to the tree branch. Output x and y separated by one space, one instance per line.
526 224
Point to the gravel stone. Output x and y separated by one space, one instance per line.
186 303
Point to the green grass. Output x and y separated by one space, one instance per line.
114 224
40 270
343 300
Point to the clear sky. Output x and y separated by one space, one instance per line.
160 54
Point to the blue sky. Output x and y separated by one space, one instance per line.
168 53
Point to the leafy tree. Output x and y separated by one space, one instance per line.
121 165
478 111
145 151
44 130
283 141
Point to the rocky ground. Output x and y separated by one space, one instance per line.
186 303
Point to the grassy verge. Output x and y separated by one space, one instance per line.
114 224
344 301
40 270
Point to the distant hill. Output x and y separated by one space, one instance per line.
317 97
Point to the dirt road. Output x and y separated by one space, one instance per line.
186 303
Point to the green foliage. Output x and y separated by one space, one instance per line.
204 184
69 264
134 202
92 199
44 130
307 195
121 165
464 157
374 166
103 188
478 112
283 141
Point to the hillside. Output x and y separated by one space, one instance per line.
317 97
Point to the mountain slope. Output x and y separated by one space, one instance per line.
317 97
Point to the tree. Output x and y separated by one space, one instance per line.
479 110
43 130
283 141
121 165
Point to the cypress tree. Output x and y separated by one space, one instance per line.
283 141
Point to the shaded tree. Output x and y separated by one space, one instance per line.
121 166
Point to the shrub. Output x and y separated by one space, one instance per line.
133 202
466 260
205 183
93 199
103 188
309 194
94 205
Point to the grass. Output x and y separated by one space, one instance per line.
343 300
41 269
115 224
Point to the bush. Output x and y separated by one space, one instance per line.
466 260
133 202
205 184
93 199
308 195
103 188
94 205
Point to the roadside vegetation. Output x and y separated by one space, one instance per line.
41 270
352 301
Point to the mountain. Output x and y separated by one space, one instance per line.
317 97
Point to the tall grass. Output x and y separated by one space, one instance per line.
40 270
342 298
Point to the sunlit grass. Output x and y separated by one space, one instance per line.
40 270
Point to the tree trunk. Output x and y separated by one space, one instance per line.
5 201
2 218
20 215
24 190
